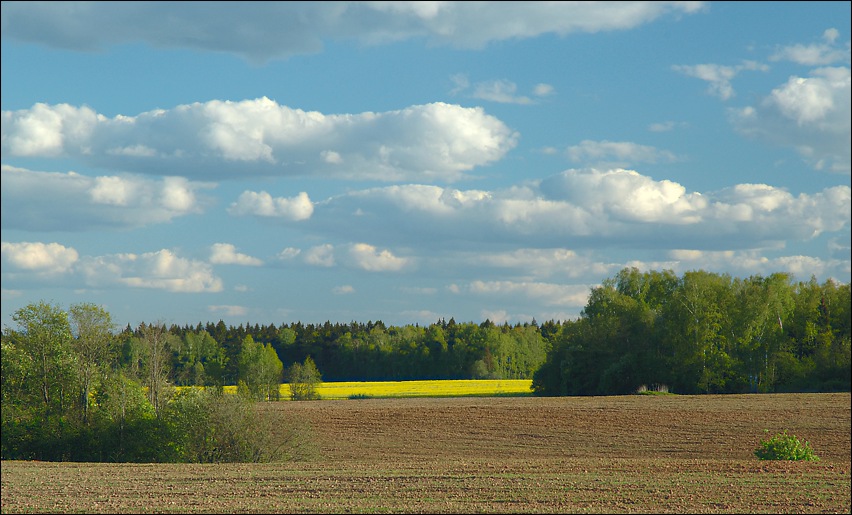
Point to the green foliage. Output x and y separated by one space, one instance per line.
207 426
304 379
359 396
73 391
785 447
260 369
655 389
703 333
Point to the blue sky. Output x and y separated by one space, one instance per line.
405 162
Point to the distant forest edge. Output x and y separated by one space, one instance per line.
75 389
698 333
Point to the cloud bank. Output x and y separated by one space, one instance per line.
259 31
228 140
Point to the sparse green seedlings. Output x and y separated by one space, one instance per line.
785 447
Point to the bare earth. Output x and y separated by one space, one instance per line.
630 454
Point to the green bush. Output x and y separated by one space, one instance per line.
785 447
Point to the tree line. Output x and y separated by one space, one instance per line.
372 351
703 333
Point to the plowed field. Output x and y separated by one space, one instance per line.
636 454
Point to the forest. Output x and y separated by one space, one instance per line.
75 388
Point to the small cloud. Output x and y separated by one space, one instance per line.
232 311
331 157
815 54
460 83
498 317
289 253
617 153
369 258
719 76
321 255
666 126
226 254
262 204
543 90
343 290
501 91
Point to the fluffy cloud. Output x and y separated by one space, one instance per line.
754 262
162 270
31 199
219 139
548 294
226 254
818 54
264 30
501 91
320 255
543 262
263 205
37 257
368 258
360 256
583 208
810 114
718 76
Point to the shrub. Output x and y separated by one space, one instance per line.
211 427
785 447
656 389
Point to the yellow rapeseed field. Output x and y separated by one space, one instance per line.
435 388
430 388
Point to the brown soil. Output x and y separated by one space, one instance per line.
631 454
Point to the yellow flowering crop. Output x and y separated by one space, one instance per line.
426 388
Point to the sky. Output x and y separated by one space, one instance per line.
272 163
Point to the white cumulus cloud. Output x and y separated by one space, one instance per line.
262 204
582 208
38 257
816 54
162 270
226 254
719 76
225 139
367 257
810 114
32 199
